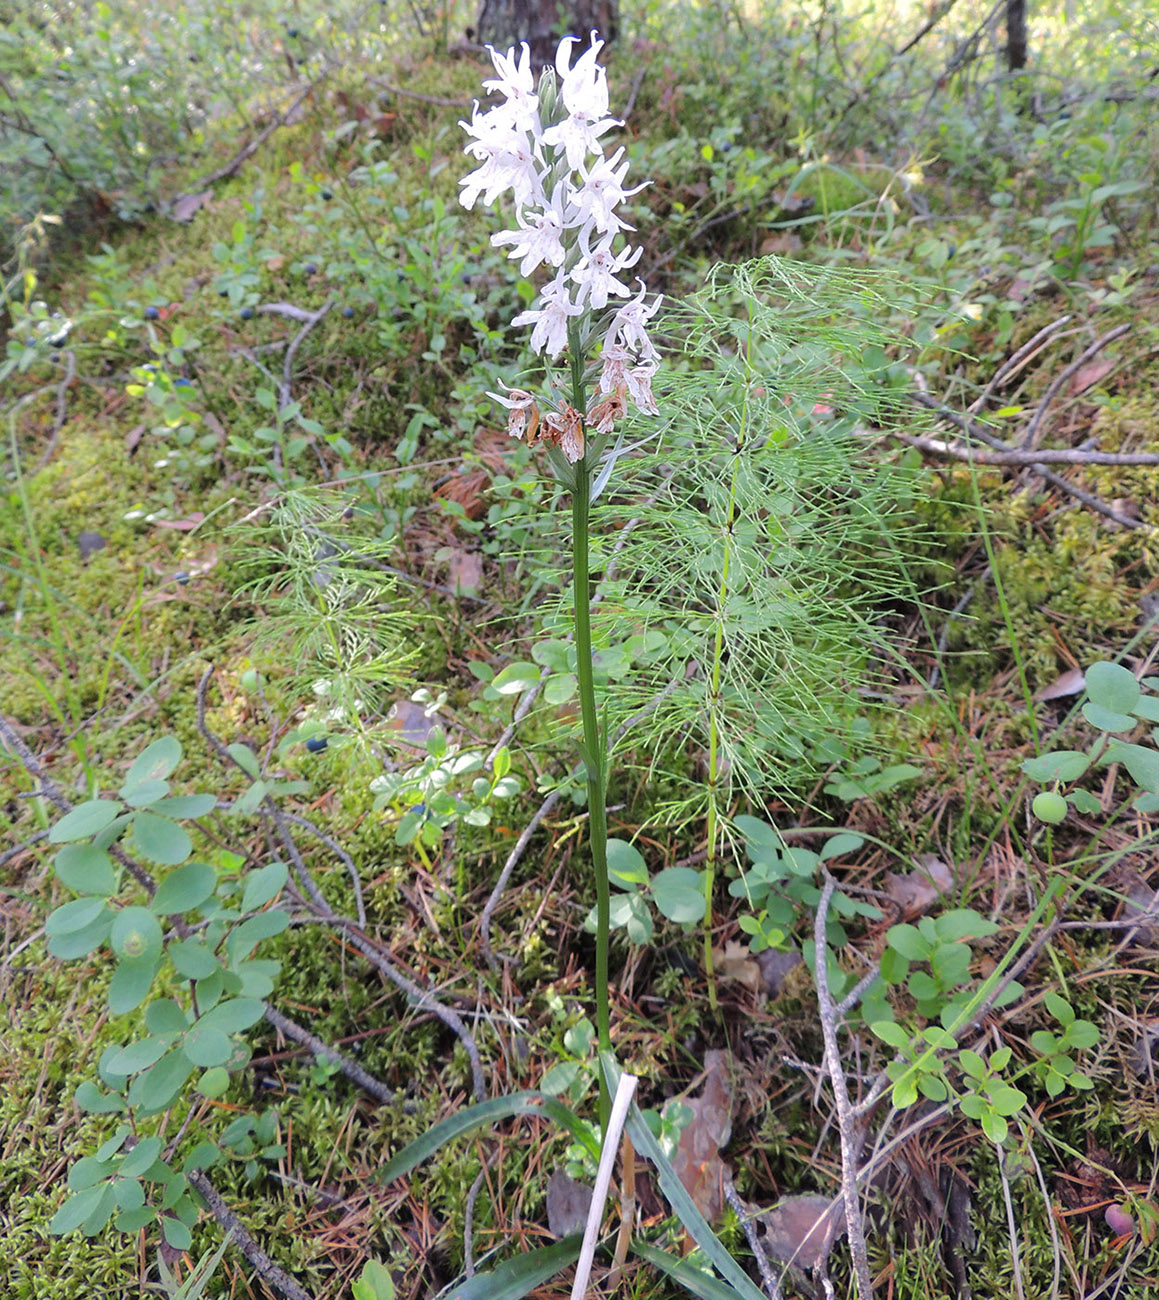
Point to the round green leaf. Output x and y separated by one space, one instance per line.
87 1172
160 839
263 885
1112 687
136 934
963 923
135 1220
626 865
186 805
234 1015
1142 763
85 820
145 794
1062 765
165 1016
679 894
128 1193
206 1046
79 943
154 763
515 679
837 846
89 1097
192 959
130 985
906 940
1108 719
214 1082
140 1055
141 1158
85 869
76 1210
176 1233
186 888
74 916
157 1089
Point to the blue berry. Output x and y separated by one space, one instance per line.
327 195
348 312
182 577
151 313
316 744
247 313
311 268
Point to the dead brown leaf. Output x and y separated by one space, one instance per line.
187 206
697 1160
800 1230
568 1203
1068 683
466 571
916 891
1092 373
735 962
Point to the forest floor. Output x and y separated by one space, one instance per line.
259 501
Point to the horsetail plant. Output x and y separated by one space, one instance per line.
542 143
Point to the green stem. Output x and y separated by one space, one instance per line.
595 761
592 750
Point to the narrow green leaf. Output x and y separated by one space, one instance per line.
140 1055
488 1112
692 1279
186 805
246 759
73 917
158 1087
685 1208
243 940
1062 765
517 1277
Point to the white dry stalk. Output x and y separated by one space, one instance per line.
625 1091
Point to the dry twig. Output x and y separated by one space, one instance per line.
846 1119
272 1273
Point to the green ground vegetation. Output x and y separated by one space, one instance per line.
252 470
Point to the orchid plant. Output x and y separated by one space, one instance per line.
542 144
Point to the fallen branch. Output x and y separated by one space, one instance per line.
846 1120
1033 457
235 164
270 1272
1065 374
